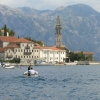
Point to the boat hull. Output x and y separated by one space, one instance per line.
26 73
9 67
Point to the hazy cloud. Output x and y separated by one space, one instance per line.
49 4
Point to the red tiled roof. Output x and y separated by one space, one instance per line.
10 46
4 49
86 53
45 47
13 39
8 38
1 49
22 40
13 45
36 45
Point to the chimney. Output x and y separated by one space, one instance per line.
7 34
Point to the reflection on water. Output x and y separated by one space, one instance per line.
52 83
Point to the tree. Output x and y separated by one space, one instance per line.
89 58
5 30
71 56
79 57
11 32
0 33
16 60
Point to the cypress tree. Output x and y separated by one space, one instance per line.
5 30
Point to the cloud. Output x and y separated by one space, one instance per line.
49 4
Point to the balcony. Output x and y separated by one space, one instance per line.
27 47
27 53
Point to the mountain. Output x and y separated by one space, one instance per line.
80 25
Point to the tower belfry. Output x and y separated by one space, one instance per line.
58 33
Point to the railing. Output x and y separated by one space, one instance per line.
27 53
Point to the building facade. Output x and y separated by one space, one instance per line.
12 47
27 51
50 54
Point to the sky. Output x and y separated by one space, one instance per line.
49 4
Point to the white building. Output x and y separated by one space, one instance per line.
49 54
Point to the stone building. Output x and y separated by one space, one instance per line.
12 47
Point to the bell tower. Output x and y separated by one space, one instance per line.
58 33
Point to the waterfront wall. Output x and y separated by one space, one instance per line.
88 62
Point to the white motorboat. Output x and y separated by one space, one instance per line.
0 64
10 67
4 64
26 73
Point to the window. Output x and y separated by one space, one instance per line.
50 58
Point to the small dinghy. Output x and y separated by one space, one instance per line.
27 74
9 67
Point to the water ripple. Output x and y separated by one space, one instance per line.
57 83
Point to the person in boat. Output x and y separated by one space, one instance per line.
29 68
2 64
32 72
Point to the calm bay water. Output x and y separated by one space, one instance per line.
53 83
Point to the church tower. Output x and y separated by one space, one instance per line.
58 33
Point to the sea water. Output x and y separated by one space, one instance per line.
80 82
